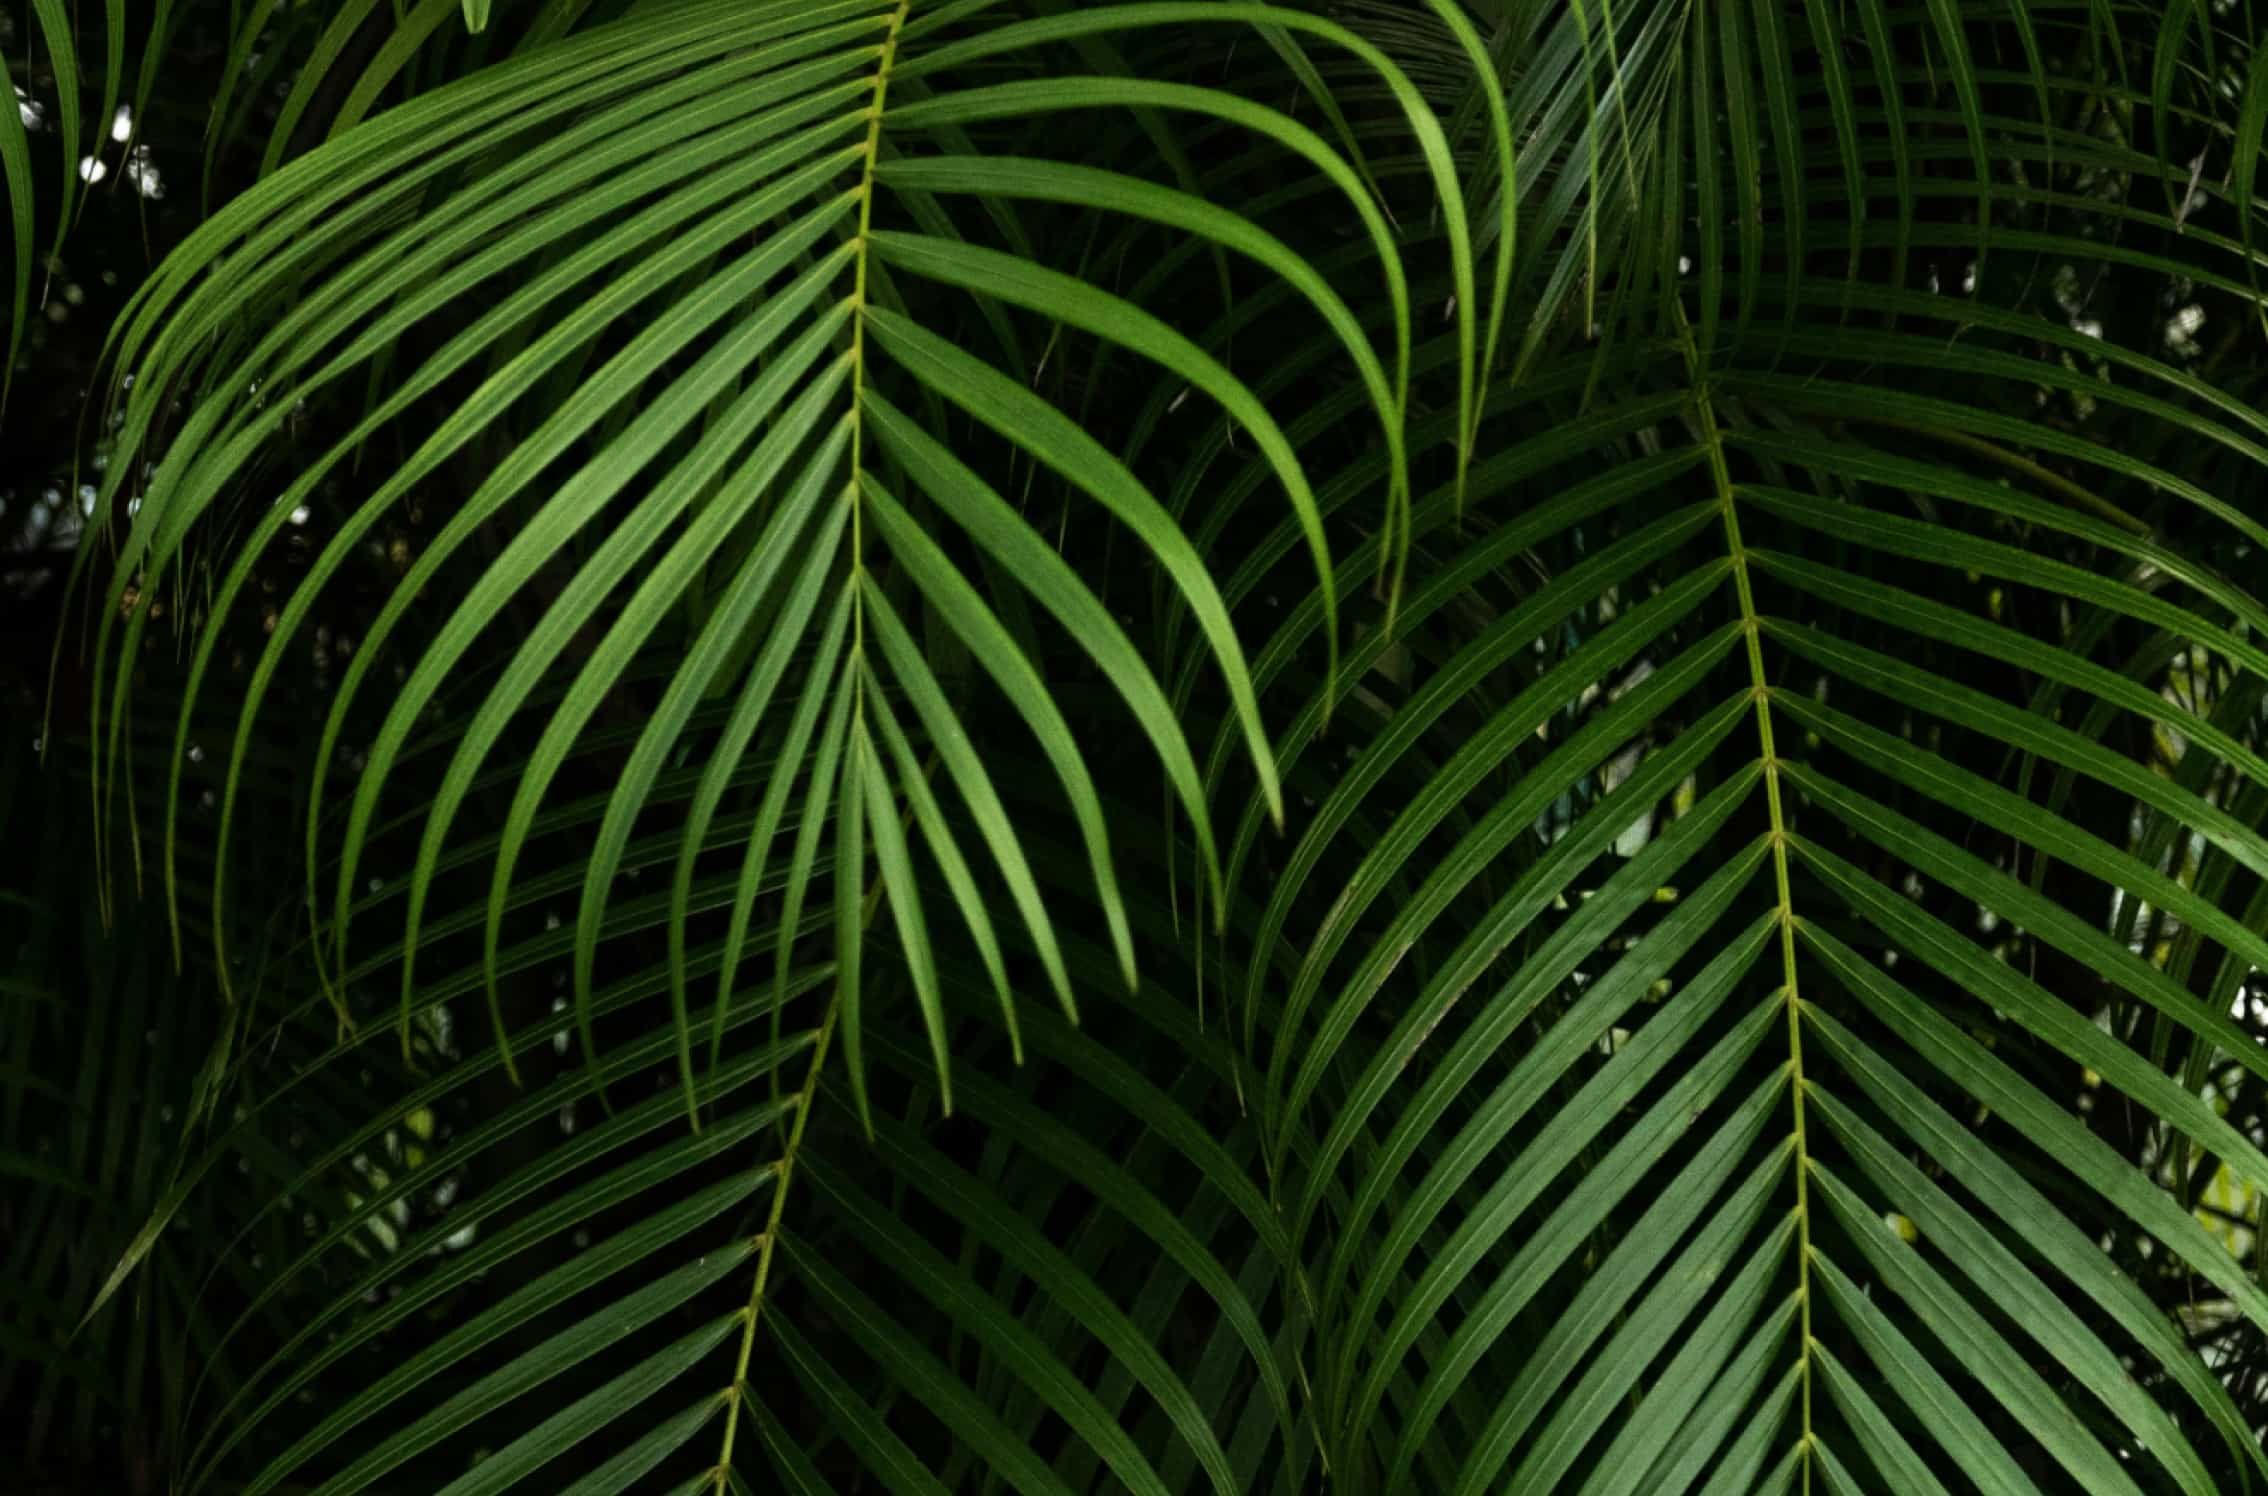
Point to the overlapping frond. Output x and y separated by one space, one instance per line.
1628 1004
688 134
1572 1148
738 352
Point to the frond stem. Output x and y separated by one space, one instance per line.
782 1174
869 158
784 1170
1761 691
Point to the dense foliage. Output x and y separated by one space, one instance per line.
1180 746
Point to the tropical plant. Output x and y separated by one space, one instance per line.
1186 745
